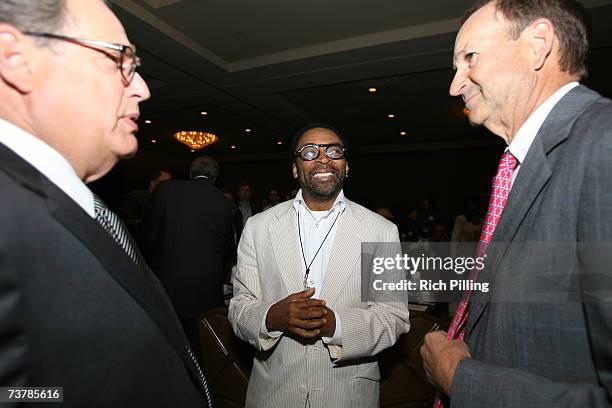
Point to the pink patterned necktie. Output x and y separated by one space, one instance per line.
502 183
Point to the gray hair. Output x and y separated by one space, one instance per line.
204 166
34 15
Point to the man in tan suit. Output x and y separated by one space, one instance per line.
297 292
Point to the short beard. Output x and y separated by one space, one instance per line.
323 191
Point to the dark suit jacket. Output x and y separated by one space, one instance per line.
186 236
542 337
75 310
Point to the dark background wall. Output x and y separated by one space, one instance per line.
397 180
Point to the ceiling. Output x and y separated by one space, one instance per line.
272 66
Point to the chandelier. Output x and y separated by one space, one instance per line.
195 139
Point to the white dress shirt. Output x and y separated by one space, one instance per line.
526 134
49 162
314 226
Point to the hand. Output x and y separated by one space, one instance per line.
441 357
298 314
329 328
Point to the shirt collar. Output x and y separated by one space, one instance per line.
527 133
47 161
339 202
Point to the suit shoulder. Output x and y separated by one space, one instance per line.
602 110
264 218
17 197
595 123
370 217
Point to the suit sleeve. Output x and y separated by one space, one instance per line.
246 309
477 384
366 332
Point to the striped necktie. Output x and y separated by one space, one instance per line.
112 224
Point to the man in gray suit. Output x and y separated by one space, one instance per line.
542 336
297 295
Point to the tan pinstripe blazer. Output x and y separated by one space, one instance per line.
288 372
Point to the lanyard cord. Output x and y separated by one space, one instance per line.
306 264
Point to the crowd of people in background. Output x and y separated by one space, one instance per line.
417 220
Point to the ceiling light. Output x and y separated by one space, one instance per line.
153 141
232 147
147 121
195 139
203 113
372 90
403 133
280 142
391 115
192 151
247 130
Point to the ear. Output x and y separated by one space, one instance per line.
542 37
294 171
15 59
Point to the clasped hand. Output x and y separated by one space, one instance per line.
301 315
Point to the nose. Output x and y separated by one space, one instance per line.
458 83
139 88
322 158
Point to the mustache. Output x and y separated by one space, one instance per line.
323 169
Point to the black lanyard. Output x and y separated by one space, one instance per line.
306 264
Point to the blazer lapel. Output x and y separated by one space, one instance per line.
533 176
346 252
140 284
286 248
137 283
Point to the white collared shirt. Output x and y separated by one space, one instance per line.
526 134
49 162
314 226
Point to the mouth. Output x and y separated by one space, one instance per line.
467 99
323 175
132 121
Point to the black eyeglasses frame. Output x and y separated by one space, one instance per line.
298 153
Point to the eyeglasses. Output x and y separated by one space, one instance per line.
127 61
311 151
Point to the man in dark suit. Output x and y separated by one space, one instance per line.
79 309
187 235
542 335
132 208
